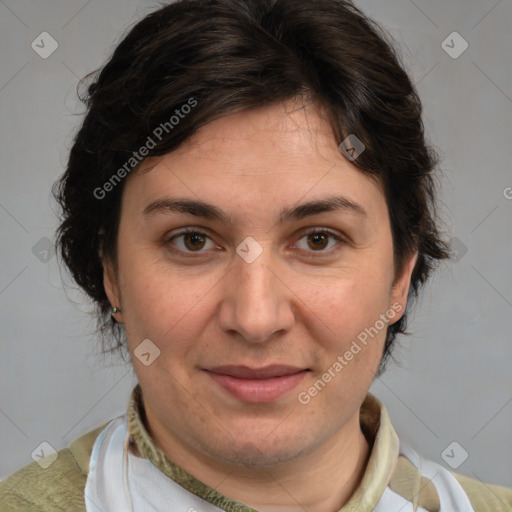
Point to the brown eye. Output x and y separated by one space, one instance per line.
189 241
318 240
194 241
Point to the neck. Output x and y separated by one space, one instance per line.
321 481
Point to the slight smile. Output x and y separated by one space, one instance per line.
257 385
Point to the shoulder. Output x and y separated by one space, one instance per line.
409 483
485 497
59 487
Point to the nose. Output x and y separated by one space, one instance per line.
256 303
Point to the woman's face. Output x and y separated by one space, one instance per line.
248 309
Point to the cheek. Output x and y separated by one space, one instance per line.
168 308
340 307
349 328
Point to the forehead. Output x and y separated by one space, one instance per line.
292 130
281 153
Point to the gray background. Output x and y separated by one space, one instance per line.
453 381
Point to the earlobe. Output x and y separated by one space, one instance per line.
112 290
400 289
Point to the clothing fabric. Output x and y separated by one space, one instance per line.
119 480
118 467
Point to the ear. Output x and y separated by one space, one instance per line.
400 289
110 283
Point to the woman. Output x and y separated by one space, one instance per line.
250 204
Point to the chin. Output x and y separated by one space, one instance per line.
252 452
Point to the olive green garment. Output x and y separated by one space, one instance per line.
60 487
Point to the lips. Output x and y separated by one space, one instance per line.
267 372
257 385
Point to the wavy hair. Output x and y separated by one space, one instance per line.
232 55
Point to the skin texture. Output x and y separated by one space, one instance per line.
301 302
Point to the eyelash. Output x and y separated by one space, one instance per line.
312 231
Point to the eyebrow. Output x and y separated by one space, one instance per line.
166 205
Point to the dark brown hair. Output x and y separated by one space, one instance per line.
232 55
